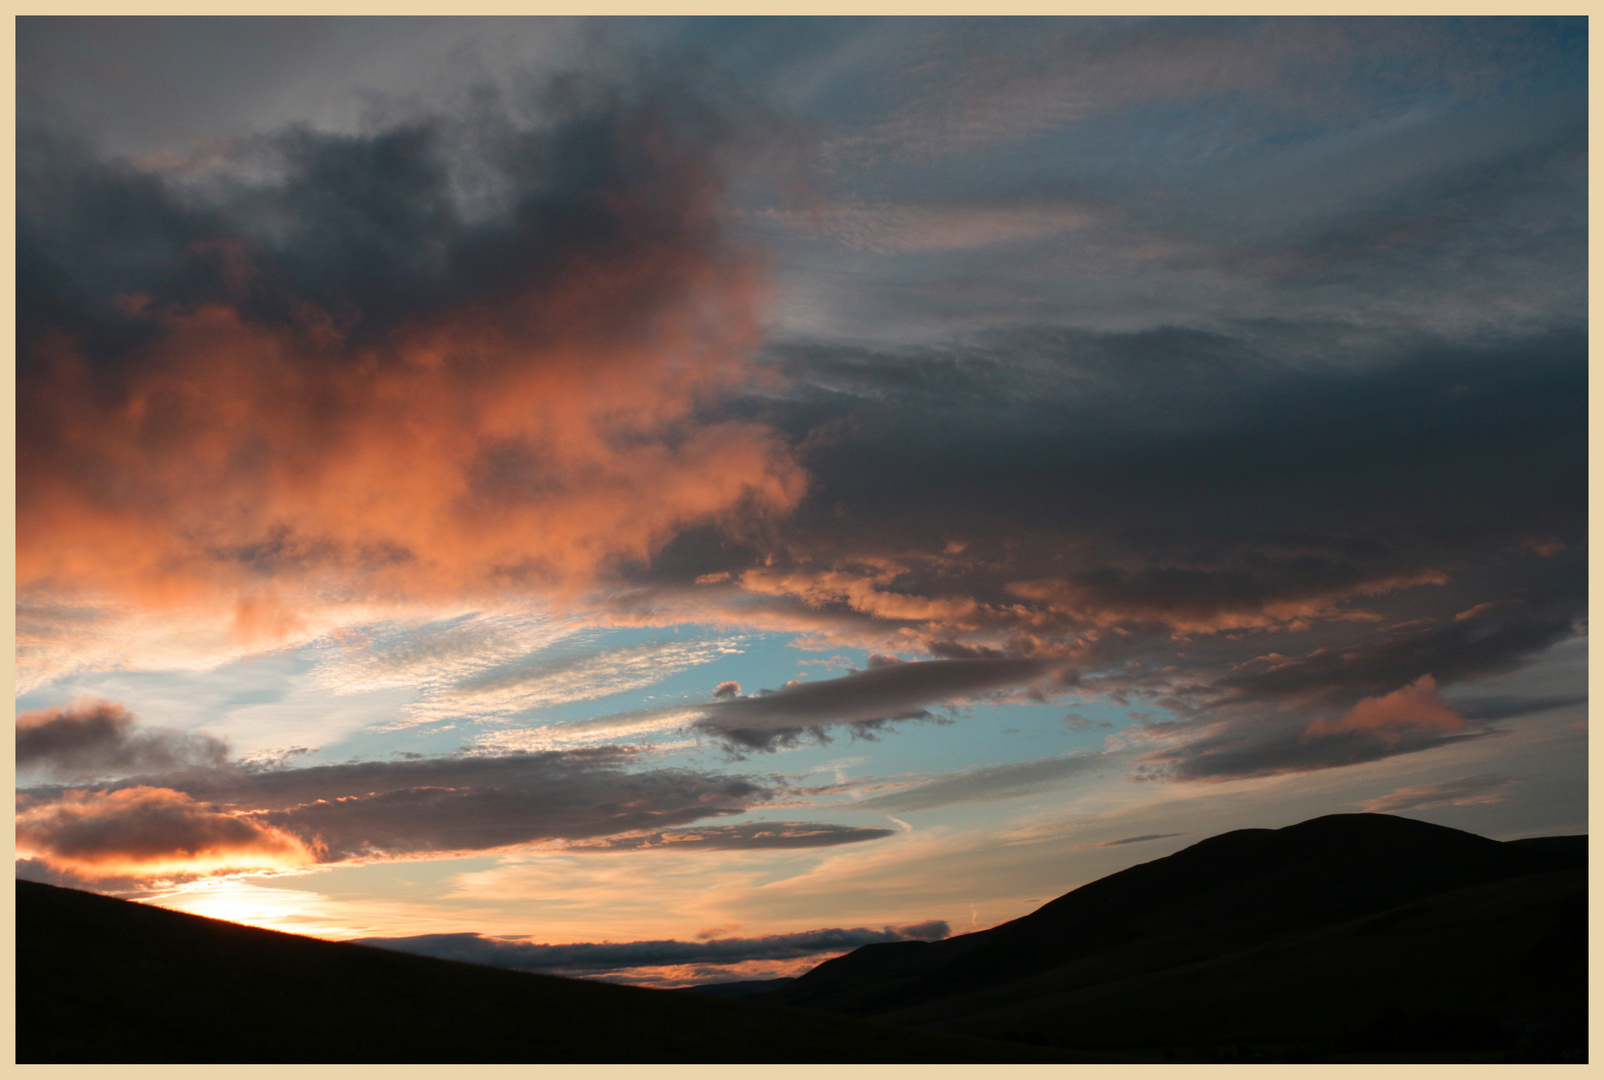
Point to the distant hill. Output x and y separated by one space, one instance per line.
105 980
1349 937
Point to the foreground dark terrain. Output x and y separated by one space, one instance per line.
1353 937
104 980
1348 938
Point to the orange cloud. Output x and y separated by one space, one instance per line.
383 397
149 832
521 447
861 590
1413 708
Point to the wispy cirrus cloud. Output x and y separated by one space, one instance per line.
1480 790
494 667
771 719
435 653
537 680
592 731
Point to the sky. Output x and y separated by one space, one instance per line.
674 500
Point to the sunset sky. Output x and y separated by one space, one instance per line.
675 500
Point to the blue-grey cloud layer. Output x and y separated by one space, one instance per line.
588 958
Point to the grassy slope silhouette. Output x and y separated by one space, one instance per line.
1349 937
1352 937
106 980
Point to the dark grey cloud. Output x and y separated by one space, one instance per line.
1185 466
380 808
1249 435
882 693
89 739
1491 643
590 958
412 216
1267 746
754 835
145 86
1139 839
1357 701
1329 500
1268 479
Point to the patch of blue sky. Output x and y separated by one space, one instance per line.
280 702
182 699
905 754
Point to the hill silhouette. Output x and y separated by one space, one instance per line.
1336 939
1357 937
106 980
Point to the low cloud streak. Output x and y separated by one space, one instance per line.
596 958
989 783
893 692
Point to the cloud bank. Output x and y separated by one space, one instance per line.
210 815
597 958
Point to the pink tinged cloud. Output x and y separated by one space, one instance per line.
1409 709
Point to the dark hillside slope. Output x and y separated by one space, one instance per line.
1438 938
104 980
